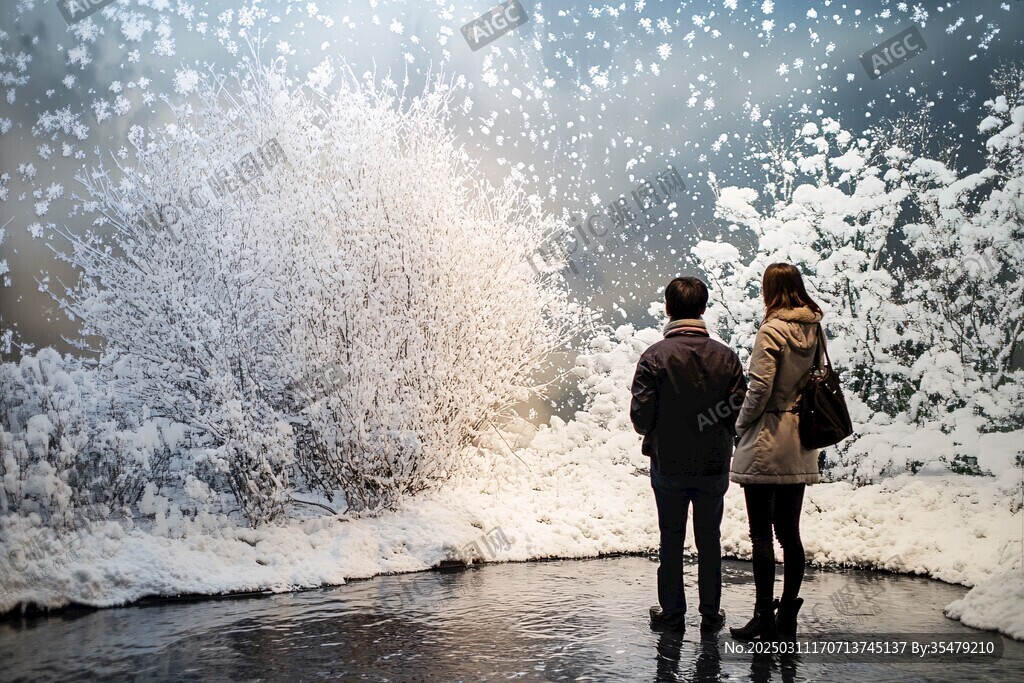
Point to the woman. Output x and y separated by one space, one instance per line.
769 462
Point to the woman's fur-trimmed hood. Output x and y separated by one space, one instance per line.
799 325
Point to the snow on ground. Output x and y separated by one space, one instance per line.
577 490
955 528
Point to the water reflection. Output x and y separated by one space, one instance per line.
704 665
766 668
556 621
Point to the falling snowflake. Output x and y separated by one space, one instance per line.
185 81
79 55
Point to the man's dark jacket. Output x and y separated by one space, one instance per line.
687 392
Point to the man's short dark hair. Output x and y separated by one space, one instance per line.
686 297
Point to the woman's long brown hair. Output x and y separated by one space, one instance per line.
783 287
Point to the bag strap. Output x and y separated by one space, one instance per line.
822 348
819 346
817 369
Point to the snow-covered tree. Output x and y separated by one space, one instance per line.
969 244
317 278
920 270
831 212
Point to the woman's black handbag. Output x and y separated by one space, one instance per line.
824 418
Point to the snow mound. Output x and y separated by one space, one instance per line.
994 604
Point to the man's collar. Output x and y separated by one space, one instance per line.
694 326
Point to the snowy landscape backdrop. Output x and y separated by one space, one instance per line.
294 294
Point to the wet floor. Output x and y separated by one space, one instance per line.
573 620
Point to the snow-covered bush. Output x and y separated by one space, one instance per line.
284 232
920 270
68 449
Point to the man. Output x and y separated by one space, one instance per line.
687 391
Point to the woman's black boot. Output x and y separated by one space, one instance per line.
785 623
761 627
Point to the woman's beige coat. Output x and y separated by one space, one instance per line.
769 451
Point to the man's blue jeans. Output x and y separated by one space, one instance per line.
673 494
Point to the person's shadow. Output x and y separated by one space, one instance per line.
706 667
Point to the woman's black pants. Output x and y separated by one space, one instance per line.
775 506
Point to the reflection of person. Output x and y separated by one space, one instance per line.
770 463
766 669
670 644
707 666
685 393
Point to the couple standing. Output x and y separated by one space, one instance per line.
690 403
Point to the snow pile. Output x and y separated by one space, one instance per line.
70 449
994 604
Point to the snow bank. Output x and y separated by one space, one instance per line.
994 604
587 500
577 489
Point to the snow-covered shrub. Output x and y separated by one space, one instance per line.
68 449
349 233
